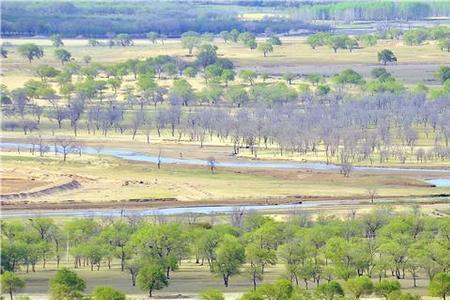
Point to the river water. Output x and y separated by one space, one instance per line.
136 156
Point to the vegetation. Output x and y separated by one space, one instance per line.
340 256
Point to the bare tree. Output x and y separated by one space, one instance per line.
66 145
372 193
346 169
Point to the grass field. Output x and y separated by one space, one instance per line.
109 179
189 280
416 63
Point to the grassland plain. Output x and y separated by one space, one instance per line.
189 280
415 63
110 179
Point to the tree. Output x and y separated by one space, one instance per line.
123 39
351 43
182 92
234 35
372 193
257 258
3 52
30 51
386 287
330 290
440 285
227 75
275 41
265 47
63 55
207 56
66 284
46 71
359 286
11 283
153 37
93 43
318 39
386 56
289 77
66 145
107 293
190 40
248 39
369 40
225 35
237 95
212 295
443 74
338 42
381 74
349 76
230 255
444 44
56 40
152 277
248 75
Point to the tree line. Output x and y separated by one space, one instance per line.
363 254
349 11
98 19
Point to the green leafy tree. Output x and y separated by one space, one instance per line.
151 277
153 37
338 42
234 35
289 77
190 72
63 55
318 39
386 56
237 95
230 255
275 41
440 285
330 290
93 43
257 258
11 283
190 40
247 38
359 286
248 76
123 39
265 47
349 76
226 36
66 284
107 293
443 74
351 43
444 44
227 76
30 51
386 287
381 74
56 40
46 71
182 90
3 52
368 40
